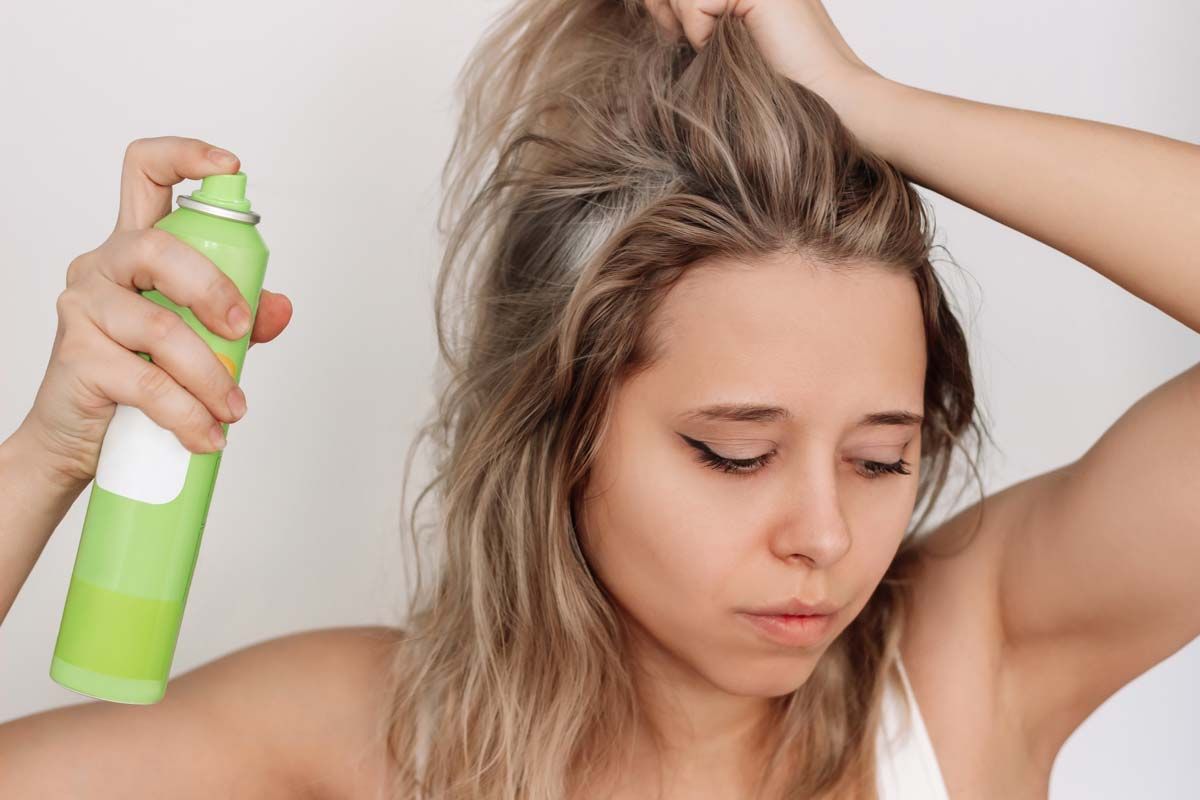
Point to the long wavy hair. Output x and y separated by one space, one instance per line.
594 163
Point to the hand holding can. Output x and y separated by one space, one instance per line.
157 463
104 319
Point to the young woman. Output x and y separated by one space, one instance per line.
702 378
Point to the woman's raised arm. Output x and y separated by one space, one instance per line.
1095 562
1096 570
1122 201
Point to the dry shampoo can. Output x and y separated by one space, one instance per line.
150 497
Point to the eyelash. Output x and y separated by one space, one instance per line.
748 466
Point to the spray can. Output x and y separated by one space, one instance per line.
150 497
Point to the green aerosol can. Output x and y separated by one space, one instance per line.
150 497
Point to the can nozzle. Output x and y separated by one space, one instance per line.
222 196
225 191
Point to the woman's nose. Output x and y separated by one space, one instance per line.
812 525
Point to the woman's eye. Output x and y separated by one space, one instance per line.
737 466
876 469
745 466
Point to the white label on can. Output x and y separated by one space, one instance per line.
141 460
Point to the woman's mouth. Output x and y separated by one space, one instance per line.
791 630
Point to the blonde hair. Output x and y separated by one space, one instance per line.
595 162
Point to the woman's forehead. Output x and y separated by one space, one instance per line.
787 324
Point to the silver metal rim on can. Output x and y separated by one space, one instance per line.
216 211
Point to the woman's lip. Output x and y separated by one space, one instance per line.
791 631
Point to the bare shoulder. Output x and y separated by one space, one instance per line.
291 716
317 696
331 718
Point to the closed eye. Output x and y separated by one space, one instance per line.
748 466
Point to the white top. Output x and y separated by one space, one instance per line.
906 765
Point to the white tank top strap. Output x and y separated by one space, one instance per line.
906 764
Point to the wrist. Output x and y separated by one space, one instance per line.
868 104
24 447
33 501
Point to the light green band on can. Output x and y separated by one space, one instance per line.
118 634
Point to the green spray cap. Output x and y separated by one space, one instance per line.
222 196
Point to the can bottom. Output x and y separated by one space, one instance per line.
106 687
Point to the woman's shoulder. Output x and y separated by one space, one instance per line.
350 680
291 716
328 694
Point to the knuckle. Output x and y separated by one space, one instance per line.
197 419
220 382
74 268
161 322
152 244
134 148
72 350
152 382
214 392
67 304
71 308
222 289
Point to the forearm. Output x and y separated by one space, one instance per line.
1124 202
32 503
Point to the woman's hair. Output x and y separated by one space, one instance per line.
596 161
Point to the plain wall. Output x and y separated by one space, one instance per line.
342 116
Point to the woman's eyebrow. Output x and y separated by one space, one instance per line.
753 412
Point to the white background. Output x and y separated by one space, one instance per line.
342 115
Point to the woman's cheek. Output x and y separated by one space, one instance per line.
657 549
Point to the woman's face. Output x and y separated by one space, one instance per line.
683 546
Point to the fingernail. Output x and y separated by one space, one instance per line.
217 436
238 320
222 157
236 401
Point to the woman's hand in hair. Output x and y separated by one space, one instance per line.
797 37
